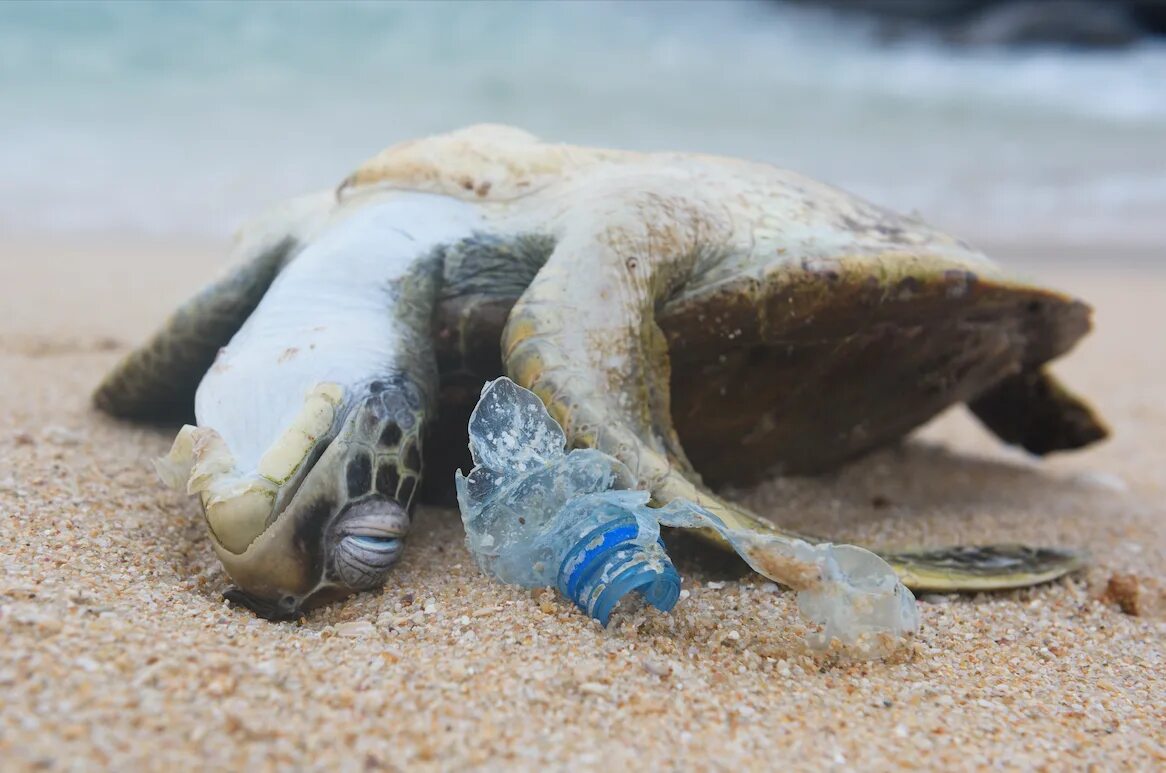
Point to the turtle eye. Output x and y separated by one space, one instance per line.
362 560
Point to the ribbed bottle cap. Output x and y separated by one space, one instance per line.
607 564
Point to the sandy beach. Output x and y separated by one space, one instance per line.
118 652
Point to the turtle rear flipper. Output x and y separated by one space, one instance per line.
1036 412
983 567
157 381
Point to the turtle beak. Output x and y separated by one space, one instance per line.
282 566
321 548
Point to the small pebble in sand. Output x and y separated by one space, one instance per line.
1126 591
1101 480
657 667
546 602
61 436
356 629
593 688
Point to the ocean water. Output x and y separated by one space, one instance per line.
170 118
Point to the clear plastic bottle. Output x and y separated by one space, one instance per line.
538 516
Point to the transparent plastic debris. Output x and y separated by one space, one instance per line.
851 593
537 515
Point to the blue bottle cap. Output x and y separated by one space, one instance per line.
607 564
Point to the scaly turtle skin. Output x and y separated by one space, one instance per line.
681 312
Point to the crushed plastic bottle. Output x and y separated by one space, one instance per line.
537 515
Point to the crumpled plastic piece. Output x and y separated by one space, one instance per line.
850 592
538 515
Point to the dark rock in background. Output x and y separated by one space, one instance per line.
1075 23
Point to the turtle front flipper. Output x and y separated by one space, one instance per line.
583 337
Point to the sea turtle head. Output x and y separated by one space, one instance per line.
337 523
314 553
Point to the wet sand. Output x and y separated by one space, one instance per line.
117 651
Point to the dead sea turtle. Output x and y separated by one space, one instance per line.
705 320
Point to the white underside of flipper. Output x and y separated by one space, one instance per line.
323 330
325 319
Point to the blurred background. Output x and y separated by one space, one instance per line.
181 119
